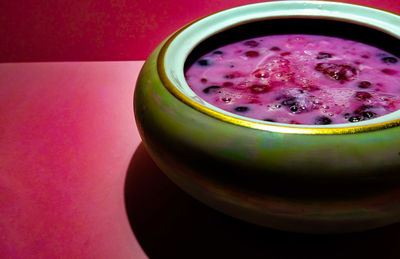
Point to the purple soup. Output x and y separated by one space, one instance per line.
299 79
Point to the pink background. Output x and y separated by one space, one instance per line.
102 30
75 179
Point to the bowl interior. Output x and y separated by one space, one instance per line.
367 25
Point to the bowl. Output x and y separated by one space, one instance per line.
299 178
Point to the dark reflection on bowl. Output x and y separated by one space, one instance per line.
170 224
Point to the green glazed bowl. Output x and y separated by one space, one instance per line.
302 178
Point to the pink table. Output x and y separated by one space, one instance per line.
76 182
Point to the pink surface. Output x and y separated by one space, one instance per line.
102 29
67 135
76 182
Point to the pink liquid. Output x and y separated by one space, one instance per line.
299 79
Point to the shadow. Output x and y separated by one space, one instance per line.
168 223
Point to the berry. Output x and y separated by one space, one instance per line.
356 118
322 120
294 108
204 62
232 75
241 109
362 108
275 48
289 101
252 54
368 115
323 55
364 84
285 53
389 71
291 104
362 96
361 114
210 88
251 43
261 73
226 99
270 120
338 72
227 84
389 60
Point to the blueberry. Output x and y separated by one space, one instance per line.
323 55
241 109
204 62
275 48
322 120
217 52
364 84
270 120
208 89
289 101
389 60
355 118
252 54
362 108
251 43
368 115
362 96
294 108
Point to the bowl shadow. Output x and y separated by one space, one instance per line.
168 223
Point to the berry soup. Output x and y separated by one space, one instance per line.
299 79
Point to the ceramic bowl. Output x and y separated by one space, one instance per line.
302 178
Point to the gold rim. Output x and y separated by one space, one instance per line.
251 124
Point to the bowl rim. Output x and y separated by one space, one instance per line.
357 14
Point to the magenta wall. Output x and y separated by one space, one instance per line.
65 30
